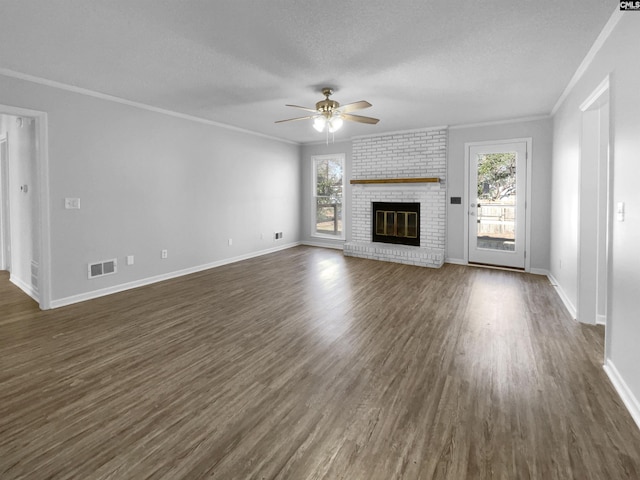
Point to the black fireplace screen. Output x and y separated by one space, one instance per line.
396 222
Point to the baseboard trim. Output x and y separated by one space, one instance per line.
336 246
539 271
625 393
601 320
461 261
455 261
573 312
25 287
83 297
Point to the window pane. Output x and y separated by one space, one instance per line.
329 178
322 177
328 217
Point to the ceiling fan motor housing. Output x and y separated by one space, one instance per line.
326 106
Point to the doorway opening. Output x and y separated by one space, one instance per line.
594 208
24 212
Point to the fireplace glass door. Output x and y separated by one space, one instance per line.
396 223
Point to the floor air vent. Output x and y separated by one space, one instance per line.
100 269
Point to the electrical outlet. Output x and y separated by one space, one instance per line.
72 203
129 259
230 241
164 254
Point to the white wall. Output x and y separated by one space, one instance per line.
149 181
540 131
618 58
23 214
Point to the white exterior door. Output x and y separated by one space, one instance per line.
496 204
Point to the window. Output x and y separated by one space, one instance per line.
328 188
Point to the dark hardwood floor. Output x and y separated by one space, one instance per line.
305 364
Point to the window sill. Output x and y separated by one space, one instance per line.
328 237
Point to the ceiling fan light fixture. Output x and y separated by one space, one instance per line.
319 123
335 123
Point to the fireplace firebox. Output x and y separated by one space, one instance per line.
396 222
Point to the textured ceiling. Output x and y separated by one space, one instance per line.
420 63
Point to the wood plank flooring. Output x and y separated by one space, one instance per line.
305 364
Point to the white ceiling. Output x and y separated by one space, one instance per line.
420 63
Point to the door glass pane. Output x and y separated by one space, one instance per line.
380 222
412 225
401 218
496 201
390 223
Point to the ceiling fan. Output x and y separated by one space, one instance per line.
329 115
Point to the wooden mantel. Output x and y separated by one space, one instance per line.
396 180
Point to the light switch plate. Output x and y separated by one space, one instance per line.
620 212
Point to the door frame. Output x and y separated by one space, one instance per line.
593 161
43 202
527 209
5 221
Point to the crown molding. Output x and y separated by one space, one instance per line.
143 106
595 48
499 122
595 95
401 132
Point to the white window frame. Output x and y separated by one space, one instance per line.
314 161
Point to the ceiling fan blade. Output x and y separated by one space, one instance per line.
303 108
294 119
350 107
359 119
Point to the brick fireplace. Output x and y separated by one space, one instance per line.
416 154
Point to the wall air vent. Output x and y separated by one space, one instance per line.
100 269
